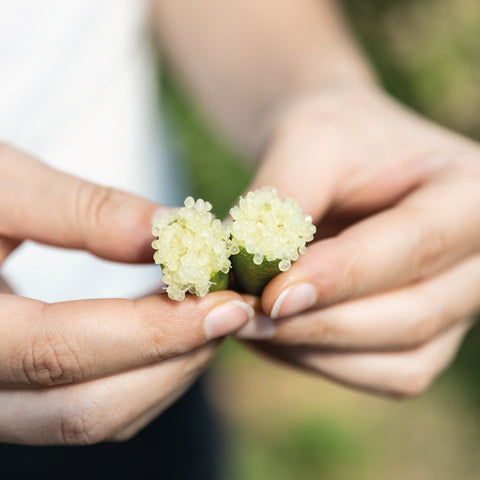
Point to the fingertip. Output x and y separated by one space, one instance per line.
121 230
274 290
137 223
274 312
227 318
288 294
324 275
260 328
180 326
295 299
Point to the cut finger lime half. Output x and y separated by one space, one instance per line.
193 249
267 234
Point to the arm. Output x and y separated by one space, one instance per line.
245 61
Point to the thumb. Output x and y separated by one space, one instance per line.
48 206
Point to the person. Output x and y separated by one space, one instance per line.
380 302
88 355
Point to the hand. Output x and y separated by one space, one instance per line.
382 299
84 371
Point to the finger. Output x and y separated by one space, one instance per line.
45 345
398 374
398 319
298 151
91 412
51 207
192 365
131 429
143 420
310 160
429 231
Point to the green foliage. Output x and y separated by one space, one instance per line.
466 366
426 55
306 448
368 19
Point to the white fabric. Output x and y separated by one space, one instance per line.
78 91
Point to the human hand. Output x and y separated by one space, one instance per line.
81 372
382 299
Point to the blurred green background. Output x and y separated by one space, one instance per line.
280 424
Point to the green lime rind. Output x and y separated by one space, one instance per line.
219 281
250 277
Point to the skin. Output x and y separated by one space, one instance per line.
393 274
81 372
396 266
394 270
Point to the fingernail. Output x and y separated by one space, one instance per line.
294 299
227 318
261 327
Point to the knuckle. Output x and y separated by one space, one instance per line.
164 330
157 344
92 205
156 350
83 425
48 360
45 363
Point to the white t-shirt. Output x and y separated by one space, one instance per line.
78 91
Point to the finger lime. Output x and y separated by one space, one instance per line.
192 247
267 234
